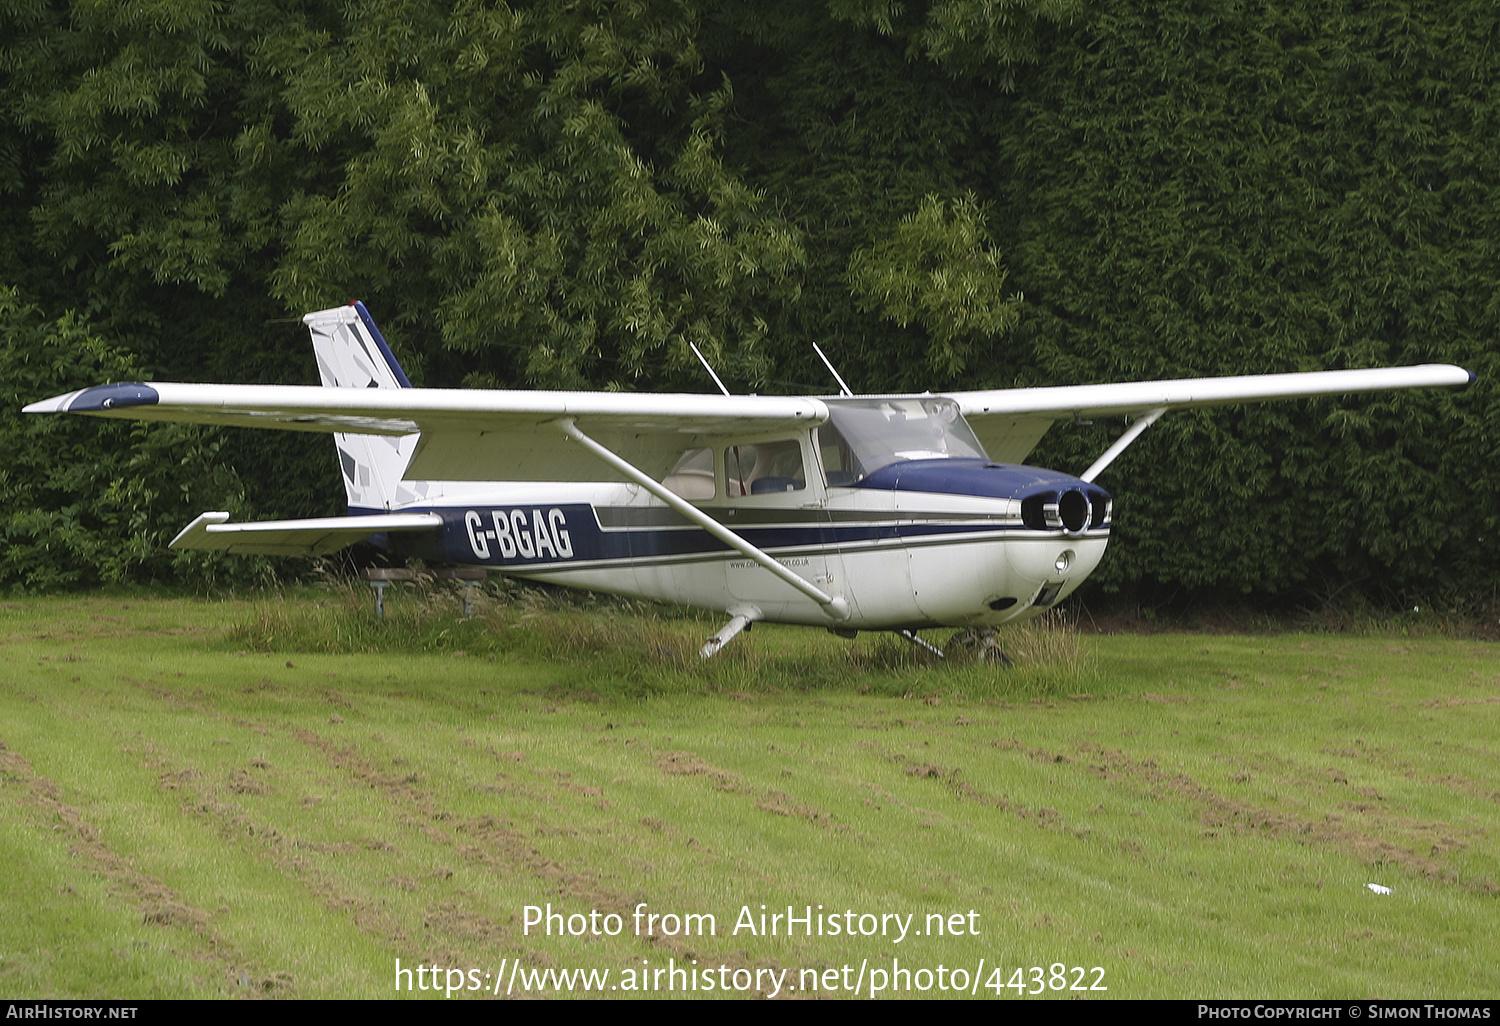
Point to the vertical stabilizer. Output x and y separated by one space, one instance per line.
352 354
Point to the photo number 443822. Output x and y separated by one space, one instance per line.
1037 980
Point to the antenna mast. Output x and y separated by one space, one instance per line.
694 347
843 388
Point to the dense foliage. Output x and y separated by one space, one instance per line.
1240 188
942 193
89 502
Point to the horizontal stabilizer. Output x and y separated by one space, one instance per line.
295 537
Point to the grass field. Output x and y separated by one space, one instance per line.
281 798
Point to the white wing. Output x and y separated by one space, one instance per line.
467 434
1010 421
478 435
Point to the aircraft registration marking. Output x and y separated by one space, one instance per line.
544 536
509 535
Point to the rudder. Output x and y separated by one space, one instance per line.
352 353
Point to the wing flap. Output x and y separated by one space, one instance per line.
1009 439
295 537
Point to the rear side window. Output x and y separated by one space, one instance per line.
692 476
763 469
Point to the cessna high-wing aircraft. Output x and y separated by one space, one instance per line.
851 512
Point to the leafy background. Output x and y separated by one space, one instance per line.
942 193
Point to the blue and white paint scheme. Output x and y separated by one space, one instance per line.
848 512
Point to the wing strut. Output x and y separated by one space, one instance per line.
1122 443
834 606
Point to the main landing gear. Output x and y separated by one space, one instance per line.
911 636
978 644
982 646
743 618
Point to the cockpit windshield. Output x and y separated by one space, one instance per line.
872 433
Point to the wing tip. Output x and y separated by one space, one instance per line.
1458 379
197 530
100 399
56 404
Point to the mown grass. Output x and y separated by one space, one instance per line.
281 798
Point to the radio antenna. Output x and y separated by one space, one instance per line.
694 347
843 388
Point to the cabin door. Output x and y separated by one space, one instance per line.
771 504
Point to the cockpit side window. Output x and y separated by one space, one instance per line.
839 463
692 476
763 469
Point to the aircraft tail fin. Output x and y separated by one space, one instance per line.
352 353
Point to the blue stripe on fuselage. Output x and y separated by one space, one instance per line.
569 533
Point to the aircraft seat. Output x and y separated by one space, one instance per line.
770 485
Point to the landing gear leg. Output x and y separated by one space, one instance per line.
981 641
741 622
911 636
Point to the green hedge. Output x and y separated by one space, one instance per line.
1235 187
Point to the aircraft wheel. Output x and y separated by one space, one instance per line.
981 645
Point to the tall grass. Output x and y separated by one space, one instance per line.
624 646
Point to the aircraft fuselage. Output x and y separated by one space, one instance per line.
950 542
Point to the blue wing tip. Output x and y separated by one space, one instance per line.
113 397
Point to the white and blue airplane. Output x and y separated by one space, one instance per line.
850 512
